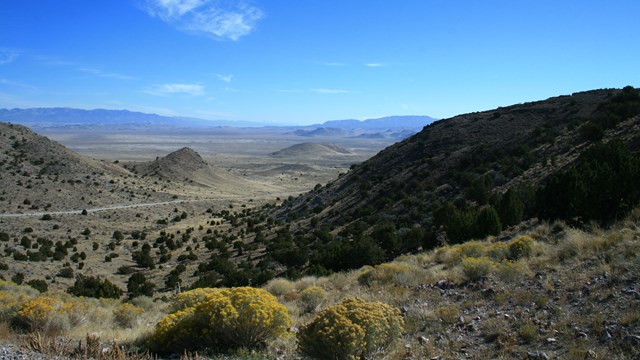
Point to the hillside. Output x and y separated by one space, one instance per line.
40 174
185 167
312 150
458 168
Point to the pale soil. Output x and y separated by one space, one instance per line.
117 194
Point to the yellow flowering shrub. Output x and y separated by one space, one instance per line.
520 247
476 268
175 332
352 329
12 297
190 298
311 298
126 314
43 314
468 249
226 318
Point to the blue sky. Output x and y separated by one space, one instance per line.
308 61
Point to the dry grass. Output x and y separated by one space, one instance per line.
516 307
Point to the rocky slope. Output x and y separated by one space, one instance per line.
40 174
519 144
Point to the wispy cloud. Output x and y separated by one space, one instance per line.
225 78
329 91
84 68
100 73
219 19
177 88
16 84
374 65
7 56
53 61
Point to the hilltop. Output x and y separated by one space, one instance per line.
312 150
185 166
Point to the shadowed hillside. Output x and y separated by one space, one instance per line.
449 182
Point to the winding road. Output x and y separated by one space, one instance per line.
106 208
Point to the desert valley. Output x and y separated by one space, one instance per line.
319 180
146 216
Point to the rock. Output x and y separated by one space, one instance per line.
534 355
444 284
423 340
552 340
592 354
634 338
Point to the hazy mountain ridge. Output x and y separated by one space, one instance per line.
57 118
389 122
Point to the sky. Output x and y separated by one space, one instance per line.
309 61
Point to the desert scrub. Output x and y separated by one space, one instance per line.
352 329
45 314
511 271
279 286
448 314
127 314
520 247
243 317
457 253
12 297
382 274
476 268
498 251
311 298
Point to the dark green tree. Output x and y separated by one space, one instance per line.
95 287
138 285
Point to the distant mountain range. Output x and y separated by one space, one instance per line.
390 122
64 117
59 117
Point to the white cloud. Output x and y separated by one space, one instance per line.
170 89
171 9
219 19
374 65
7 56
225 78
329 91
